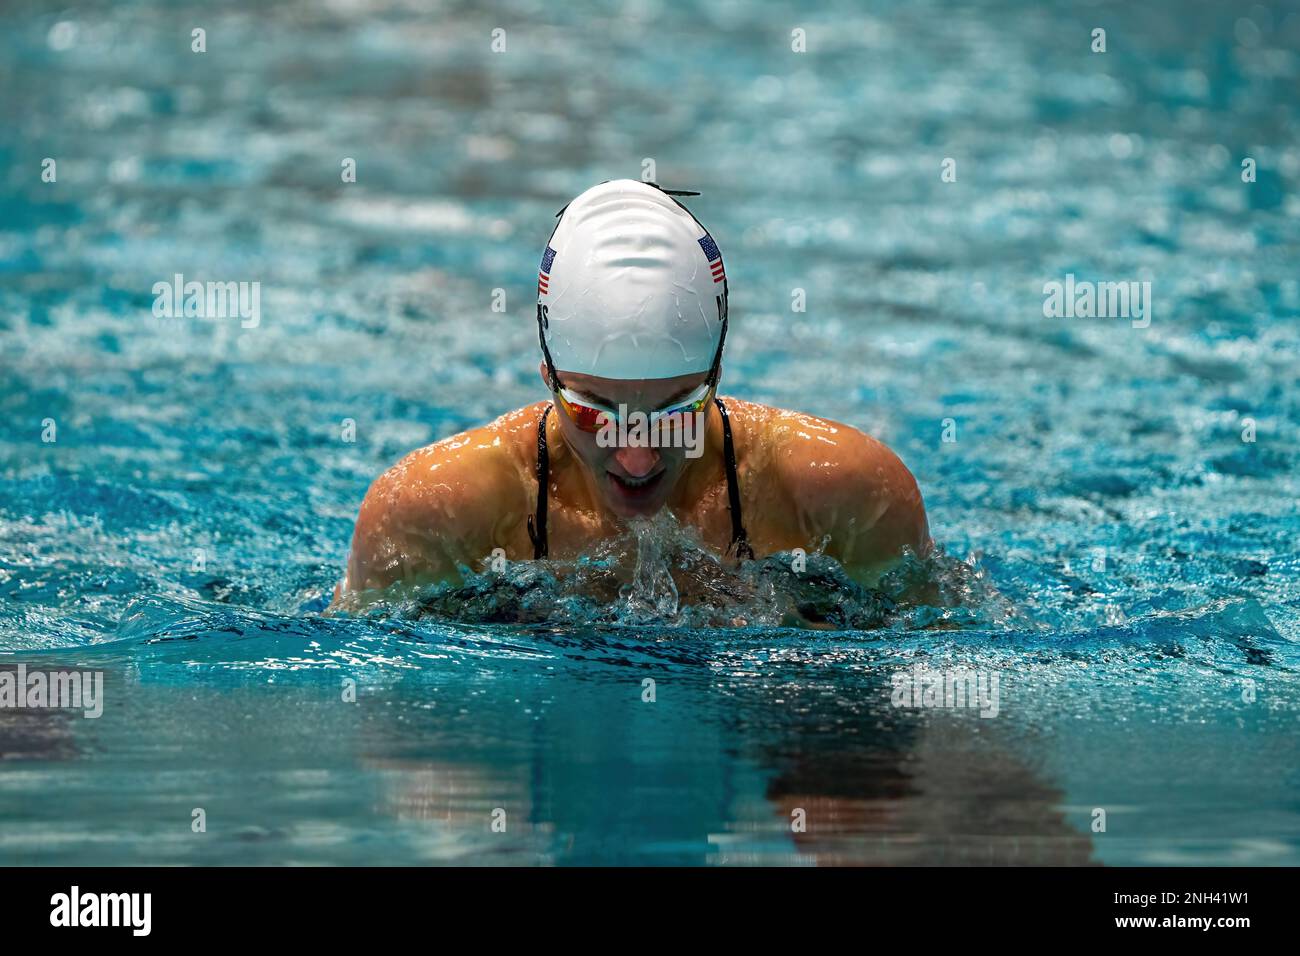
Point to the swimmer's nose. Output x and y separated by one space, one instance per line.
637 460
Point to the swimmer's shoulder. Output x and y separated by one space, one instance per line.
469 462
836 479
444 502
796 443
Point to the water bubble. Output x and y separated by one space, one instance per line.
1246 32
63 35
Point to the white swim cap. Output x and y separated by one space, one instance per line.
631 286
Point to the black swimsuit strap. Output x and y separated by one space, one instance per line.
739 537
537 527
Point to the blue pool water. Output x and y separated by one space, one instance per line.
1112 549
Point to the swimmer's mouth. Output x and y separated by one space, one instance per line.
636 487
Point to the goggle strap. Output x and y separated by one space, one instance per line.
546 353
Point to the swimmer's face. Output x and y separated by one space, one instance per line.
634 479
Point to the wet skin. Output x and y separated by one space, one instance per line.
805 482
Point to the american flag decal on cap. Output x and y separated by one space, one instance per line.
714 256
544 274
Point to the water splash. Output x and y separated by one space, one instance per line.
652 593
659 573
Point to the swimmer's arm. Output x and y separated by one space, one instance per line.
434 512
855 492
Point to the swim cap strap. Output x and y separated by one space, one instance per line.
674 192
666 192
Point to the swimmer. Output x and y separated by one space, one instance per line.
632 320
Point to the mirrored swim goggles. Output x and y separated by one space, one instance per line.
591 416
